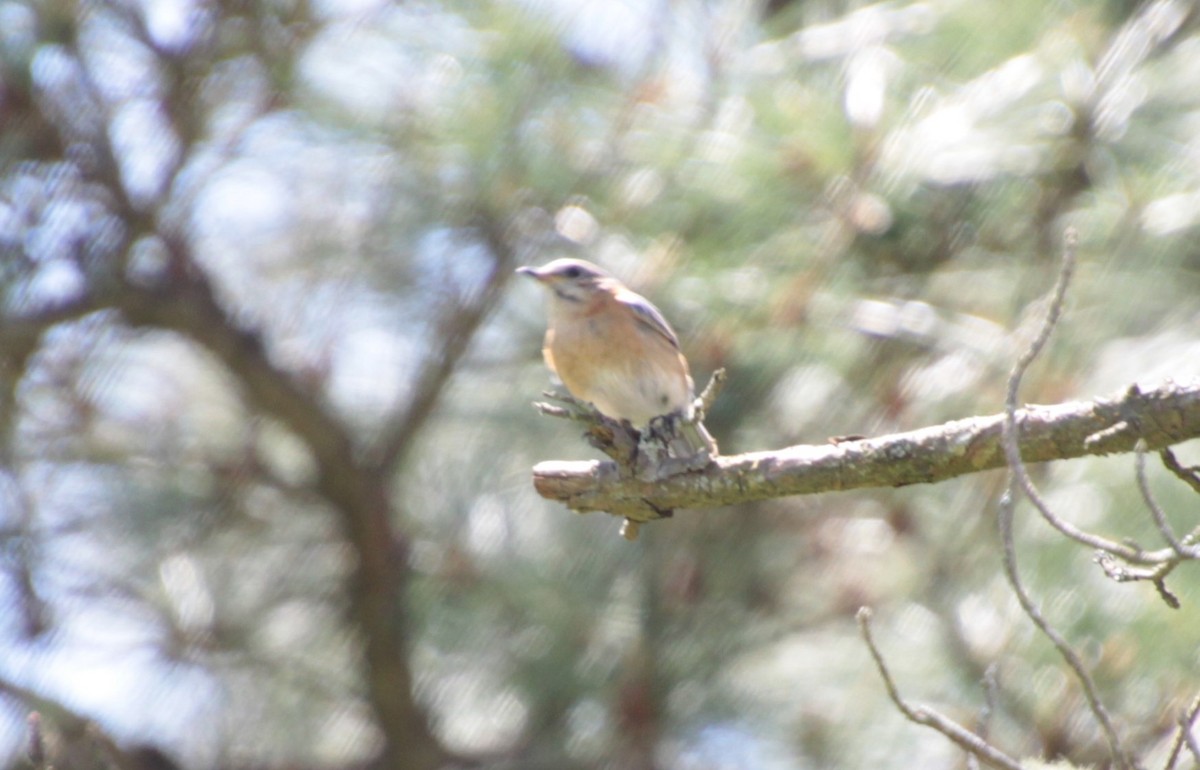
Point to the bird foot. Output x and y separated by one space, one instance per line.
672 444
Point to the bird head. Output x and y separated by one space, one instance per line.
574 280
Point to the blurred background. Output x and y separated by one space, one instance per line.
852 207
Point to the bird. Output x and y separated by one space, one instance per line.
613 348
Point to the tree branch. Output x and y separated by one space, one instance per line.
77 735
188 305
460 320
21 333
183 299
1165 415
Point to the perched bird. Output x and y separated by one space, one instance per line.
611 347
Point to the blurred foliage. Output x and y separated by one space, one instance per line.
853 208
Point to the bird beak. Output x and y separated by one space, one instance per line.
532 272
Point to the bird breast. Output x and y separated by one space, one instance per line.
627 371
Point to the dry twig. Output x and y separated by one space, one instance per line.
1019 478
1184 735
1181 550
1188 475
923 715
984 720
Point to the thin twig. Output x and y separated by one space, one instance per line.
1007 506
1160 584
1160 516
1189 476
1185 728
550 410
615 438
571 409
1019 477
708 396
923 715
1123 573
1180 549
1009 437
984 720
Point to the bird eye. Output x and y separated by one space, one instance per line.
572 272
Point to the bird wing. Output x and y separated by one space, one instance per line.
647 315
